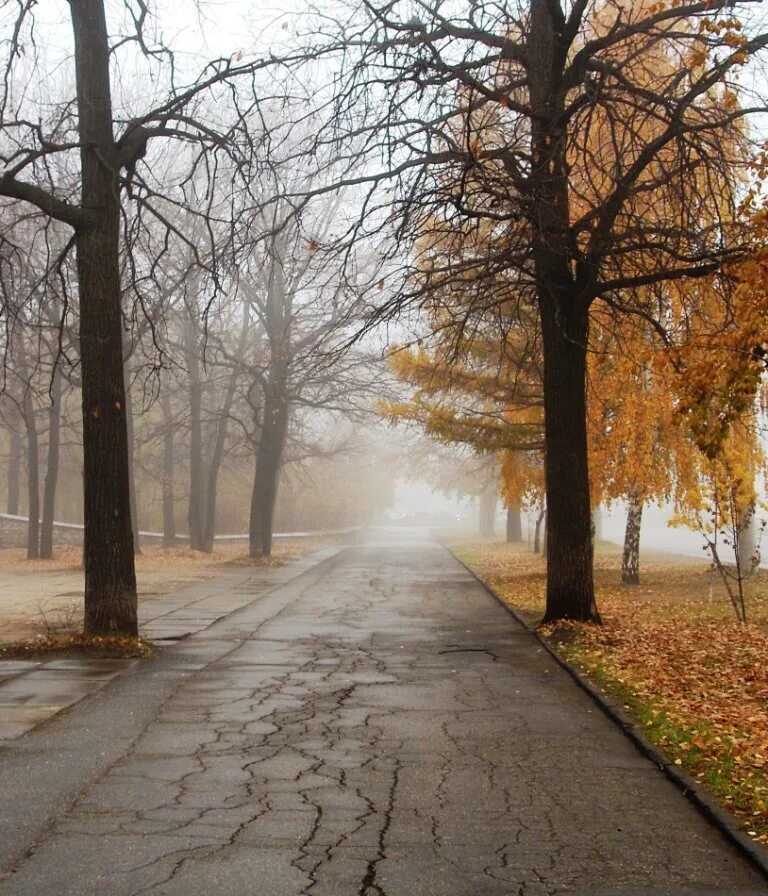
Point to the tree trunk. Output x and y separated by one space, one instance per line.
488 501
52 468
267 476
221 437
564 314
570 586
269 458
597 525
110 576
514 526
169 503
537 531
14 473
748 541
212 483
33 478
131 470
212 479
630 558
196 510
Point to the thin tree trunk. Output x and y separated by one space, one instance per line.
131 469
537 531
14 473
33 478
597 525
196 511
269 458
110 576
267 476
212 479
630 559
169 503
33 454
221 438
514 526
748 542
52 469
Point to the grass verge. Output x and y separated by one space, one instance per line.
687 674
102 647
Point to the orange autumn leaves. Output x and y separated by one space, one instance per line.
669 380
709 679
696 679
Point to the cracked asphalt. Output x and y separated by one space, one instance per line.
376 726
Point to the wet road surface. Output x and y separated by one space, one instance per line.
377 726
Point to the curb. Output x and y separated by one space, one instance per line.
701 800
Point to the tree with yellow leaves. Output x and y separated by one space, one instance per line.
593 143
479 387
635 440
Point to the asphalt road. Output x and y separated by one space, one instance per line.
377 726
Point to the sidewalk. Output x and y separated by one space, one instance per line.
32 691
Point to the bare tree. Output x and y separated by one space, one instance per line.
79 134
306 309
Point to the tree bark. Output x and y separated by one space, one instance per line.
597 525
131 470
110 576
564 313
196 510
14 473
33 478
537 531
52 467
267 475
169 503
221 437
570 586
748 541
33 454
514 526
212 480
630 558
269 457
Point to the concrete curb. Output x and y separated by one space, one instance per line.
706 806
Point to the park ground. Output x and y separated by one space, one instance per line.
671 651
43 598
369 723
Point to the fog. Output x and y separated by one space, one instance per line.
254 377
656 535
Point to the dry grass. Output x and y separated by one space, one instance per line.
50 646
45 597
672 651
67 558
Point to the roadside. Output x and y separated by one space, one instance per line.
686 672
45 597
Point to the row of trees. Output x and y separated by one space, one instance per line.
590 159
148 253
647 442
193 423
562 168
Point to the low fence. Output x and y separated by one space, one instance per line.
13 533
